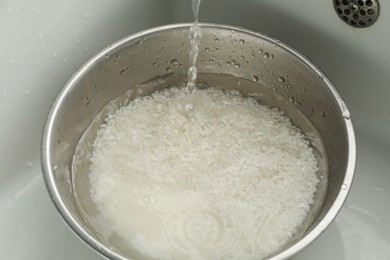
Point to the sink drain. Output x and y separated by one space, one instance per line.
358 13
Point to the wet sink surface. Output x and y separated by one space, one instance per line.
43 43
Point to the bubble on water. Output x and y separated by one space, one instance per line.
189 106
266 55
242 57
237 65
216 39
344 186
255 78
291 99
207 49
169 69
241 41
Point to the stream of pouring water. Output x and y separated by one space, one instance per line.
194 36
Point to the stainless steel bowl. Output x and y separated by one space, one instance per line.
253 63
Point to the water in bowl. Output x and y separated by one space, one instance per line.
201 182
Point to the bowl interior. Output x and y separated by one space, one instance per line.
252 63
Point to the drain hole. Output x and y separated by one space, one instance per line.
357 13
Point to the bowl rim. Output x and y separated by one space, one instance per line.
48 171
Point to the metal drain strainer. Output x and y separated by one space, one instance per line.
358 13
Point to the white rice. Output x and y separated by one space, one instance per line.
212 175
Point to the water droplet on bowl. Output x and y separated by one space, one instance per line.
281 79
174 62
344 109
346 114
123 71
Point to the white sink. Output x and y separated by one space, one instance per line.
44 42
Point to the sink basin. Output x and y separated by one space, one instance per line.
43 43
